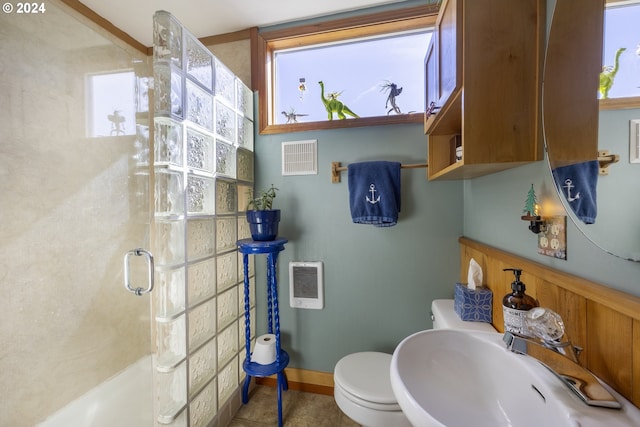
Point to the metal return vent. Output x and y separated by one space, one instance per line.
300 158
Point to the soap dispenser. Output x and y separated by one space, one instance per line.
516 304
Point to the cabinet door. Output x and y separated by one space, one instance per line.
431 79
449 49
573 65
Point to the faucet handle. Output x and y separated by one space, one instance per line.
544 324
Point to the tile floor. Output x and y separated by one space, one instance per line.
299 409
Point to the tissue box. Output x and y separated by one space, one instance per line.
473 304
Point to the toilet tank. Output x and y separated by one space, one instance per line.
444 317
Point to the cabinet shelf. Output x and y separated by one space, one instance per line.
448 121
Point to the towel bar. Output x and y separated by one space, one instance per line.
336 168
605 159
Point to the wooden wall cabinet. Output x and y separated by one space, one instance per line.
483 72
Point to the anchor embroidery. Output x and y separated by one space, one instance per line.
372 190
569 185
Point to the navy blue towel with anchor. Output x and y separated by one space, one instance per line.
374 192
578 183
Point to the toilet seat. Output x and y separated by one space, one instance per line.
365 378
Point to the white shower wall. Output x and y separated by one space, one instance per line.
203 171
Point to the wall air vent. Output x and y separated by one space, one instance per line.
300 158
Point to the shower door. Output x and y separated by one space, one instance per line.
74 198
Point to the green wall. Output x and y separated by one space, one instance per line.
492 208
379 282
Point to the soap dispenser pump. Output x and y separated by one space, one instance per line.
516 304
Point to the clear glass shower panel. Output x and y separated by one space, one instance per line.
225 122
245 133
244 99
228 380
244 165
199 106
168 142
167 39
202 367
227 307
226 233
171 392
200 147
227 270
200 195
169 197
168 91
225 159
202 324
170 341
199 63
225 83
171 292
201 237
225 197
75 198
168 241
202 276
228 344
204 406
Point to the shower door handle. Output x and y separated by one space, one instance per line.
127 278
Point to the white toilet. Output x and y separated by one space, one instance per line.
362 383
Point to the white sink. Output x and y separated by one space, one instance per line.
448 377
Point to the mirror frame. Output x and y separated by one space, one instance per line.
570 107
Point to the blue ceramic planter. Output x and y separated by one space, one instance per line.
264 224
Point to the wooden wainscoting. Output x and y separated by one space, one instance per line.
603 321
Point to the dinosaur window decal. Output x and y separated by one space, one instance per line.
620 76
369 77
348 72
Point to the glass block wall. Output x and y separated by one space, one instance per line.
203 170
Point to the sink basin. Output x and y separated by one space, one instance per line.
448 377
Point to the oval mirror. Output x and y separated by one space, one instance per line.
598 190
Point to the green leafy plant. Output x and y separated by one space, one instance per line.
264 201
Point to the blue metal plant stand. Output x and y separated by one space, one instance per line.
271 249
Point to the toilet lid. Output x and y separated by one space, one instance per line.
367 376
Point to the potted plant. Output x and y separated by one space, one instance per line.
262 218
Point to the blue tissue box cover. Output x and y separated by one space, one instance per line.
473 304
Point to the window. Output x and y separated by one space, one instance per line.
371 69
620 77
111 109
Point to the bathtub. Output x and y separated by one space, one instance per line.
124 401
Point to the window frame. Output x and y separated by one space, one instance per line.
621 103
421 17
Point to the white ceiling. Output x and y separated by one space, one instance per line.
212 17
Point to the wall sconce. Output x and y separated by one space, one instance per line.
532 214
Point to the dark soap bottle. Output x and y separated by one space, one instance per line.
516 304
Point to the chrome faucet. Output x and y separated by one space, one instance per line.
550 346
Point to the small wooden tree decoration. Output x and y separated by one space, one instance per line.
530 205
531 212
